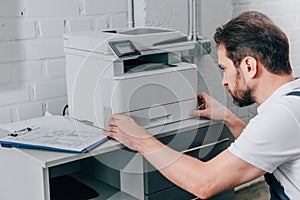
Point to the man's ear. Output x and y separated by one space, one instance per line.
249 66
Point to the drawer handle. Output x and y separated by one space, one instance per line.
205 145
161 118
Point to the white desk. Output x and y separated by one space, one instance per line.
25 173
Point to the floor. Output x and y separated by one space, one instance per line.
258 191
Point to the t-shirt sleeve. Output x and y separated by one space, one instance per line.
270 139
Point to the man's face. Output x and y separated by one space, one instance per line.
233 80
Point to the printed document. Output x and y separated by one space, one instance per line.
52 133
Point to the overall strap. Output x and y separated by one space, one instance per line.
276 189
295 93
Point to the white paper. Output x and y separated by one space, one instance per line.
54 132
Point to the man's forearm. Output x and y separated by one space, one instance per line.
185 171
203 179
235 124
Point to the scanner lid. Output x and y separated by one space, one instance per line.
143 39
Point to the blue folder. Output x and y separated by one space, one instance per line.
29 146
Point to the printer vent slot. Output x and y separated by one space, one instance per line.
109 31
147 63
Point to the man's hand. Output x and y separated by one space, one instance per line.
211 108
214 110
125 130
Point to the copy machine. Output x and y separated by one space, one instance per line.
138 72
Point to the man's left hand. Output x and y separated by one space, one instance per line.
125 130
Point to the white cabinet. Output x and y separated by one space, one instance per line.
111 170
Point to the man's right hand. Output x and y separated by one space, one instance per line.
211 108
214 110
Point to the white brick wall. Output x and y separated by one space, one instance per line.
52 8
45 48
11 51
94 7
5 73
15 29
5 115
15 93
51 27
79 24
118 21
12 7
29 110
208 20
100 23
26 71
32 62
55 67
157 13
48 89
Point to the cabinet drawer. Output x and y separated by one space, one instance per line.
155 182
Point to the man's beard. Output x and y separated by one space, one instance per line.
241 97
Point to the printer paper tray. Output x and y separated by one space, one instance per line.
163 114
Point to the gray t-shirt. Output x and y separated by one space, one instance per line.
271 140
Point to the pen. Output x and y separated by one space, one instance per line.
201 106
12 134
21 131
24 129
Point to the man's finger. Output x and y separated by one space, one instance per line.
114 129
119 116
112 122
108 133
202 95
197 113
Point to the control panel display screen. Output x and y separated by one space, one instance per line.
124 48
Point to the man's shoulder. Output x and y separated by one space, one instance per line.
288 102
279 117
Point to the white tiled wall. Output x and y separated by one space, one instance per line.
32 63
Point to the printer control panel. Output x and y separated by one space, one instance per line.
124 48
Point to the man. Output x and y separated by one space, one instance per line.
254 55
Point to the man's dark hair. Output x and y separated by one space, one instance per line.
254 34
